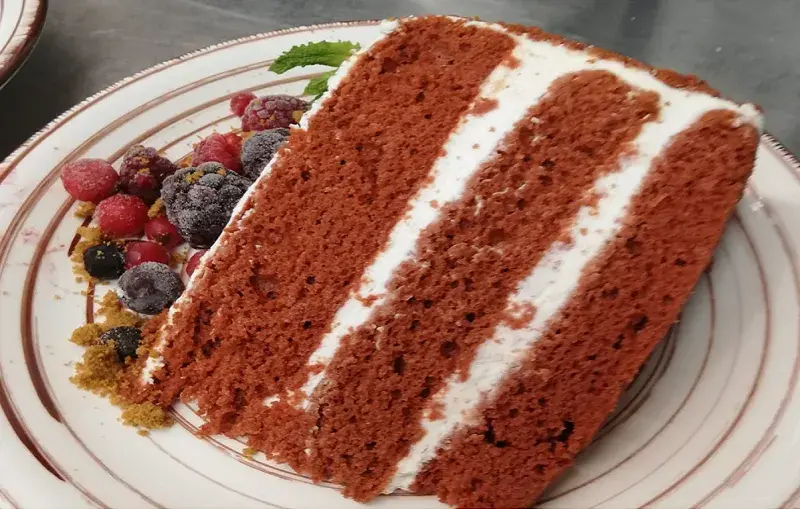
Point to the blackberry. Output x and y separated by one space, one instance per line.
150 288
126 341
200 201
104 261
260 149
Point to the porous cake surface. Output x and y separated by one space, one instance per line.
445 279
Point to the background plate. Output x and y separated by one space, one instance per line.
21 22
711 420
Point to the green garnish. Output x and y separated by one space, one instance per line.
319 85
315 53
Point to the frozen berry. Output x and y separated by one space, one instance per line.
89 179
126 341
143 171
239 102
104 261
136 253
160 230
121 215
200 201
150 288
221 149
259 149
273 111
194 261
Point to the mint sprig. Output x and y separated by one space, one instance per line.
315 53
319 85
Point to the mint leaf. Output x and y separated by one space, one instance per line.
322 53
319 85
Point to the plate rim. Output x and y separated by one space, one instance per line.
31 23
9 163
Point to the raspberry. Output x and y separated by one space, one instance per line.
273 111
136 253
221 149
89 179
143 171
150 287
104 261
194 261
239 102
200 201
121 215
160 230
259 149
126 341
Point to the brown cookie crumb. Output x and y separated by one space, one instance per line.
99 370
84 209
177 258
156 209
142 415
86 335
114 314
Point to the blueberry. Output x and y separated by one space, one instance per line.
150 288
126 341
104 261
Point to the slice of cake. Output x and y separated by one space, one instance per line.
447 277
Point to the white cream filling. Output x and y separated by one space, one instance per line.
153 364
468 148
552 282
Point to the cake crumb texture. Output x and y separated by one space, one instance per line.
449 300
261 305
624 305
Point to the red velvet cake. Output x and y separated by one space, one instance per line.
445 279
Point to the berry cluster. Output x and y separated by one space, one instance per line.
198 201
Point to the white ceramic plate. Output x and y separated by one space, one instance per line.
21 22
712 421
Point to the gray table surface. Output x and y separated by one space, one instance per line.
750 49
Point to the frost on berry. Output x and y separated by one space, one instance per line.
89 180
273 111
223 149
160 230
259 149
121 215
200 201
150 287
139 252
143 171
239 102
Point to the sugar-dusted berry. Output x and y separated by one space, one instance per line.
150 288
239 102
121 215
273 111
142 172
89 180
223 149
136 253
161 231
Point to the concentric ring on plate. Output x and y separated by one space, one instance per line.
21 23
697 343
